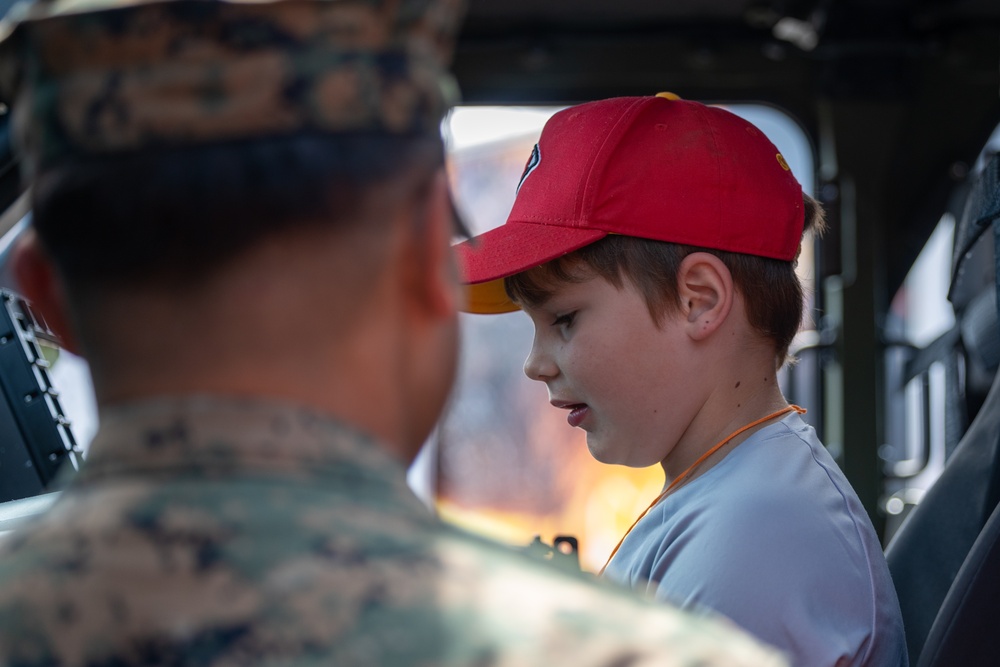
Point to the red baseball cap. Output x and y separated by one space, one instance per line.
657 168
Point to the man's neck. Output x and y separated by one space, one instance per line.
284 340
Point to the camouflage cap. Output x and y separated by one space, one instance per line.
92 77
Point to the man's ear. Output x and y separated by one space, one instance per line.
40 284
432 274
705 288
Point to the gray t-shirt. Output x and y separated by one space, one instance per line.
775 538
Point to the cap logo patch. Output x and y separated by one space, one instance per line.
536 157
781 161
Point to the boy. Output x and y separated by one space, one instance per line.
652 243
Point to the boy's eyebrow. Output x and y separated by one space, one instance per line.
540 296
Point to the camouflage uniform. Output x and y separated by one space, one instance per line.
211 531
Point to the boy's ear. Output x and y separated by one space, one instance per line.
41 285
705 288
431 274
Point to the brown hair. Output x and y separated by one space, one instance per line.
770 288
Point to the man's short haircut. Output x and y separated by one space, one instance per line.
771 290
169 217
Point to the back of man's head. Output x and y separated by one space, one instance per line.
168 142
166 137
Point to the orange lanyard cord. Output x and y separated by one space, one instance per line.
701 459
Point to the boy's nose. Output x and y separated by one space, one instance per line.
539 366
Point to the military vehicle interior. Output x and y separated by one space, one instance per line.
899 102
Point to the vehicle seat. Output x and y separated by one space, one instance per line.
930 547
945 548
965 630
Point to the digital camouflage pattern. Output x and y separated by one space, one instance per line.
97 77
224 532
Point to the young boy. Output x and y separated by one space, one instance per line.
653 245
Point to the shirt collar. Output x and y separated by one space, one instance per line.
215 435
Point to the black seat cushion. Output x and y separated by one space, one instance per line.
965 632
928 550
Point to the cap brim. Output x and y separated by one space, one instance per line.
489 298
510 249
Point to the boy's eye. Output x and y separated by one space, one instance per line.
564 320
